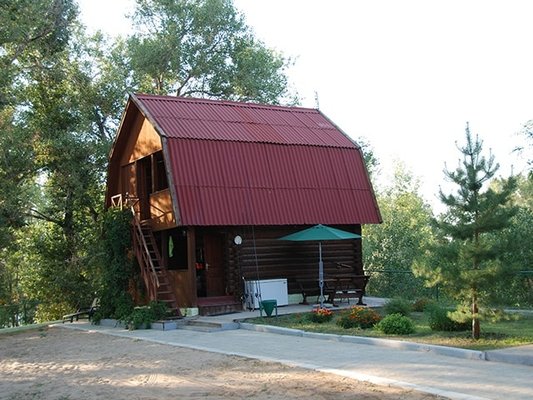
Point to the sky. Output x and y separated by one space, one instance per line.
404 75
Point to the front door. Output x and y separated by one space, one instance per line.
215 283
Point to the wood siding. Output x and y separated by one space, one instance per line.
184 291
161 211
142 141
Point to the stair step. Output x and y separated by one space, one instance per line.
219 309
201 325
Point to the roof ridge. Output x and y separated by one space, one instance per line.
226 102
179 117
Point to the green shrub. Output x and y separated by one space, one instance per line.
396 324
358 317
440 321
123 307
142 317
49 311
321 315
160 309
398 306
15 314
116 265
419 305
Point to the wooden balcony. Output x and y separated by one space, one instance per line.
161 212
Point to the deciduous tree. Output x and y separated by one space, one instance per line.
514 284
204 49
33 32
394 245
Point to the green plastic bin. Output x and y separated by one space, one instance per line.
268 306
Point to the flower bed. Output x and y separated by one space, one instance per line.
321 315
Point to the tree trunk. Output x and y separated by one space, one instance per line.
475 320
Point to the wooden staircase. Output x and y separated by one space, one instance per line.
154 274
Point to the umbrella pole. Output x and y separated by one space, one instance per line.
321 274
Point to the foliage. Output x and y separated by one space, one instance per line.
421 304
32 34
116 265
32 31
141 317
398 305
8 316
53 176
15 175
202 48
16 314
396 324
527 132
120 309
371 161
390 248
361 317
160 309
44 272
513 285
320 315
464 260
52 311
439 320
144 316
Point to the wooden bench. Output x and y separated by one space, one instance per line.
308 287
84 311
345 287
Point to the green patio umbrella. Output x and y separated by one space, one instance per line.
320 233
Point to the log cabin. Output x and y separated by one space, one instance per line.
214 184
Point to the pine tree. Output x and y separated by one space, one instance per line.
468 261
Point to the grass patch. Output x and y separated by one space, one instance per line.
26 328
494 335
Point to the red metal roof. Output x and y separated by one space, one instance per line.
188 118
249 164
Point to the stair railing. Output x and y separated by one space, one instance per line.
142 252
141 248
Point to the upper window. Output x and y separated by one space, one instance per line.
160 173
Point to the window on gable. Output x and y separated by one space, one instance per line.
160 173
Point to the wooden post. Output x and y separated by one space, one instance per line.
191 264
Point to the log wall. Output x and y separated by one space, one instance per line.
262 256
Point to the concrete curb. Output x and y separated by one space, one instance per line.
270 329
500 356
508 358
397 344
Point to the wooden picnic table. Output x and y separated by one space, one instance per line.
338 286
345 287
